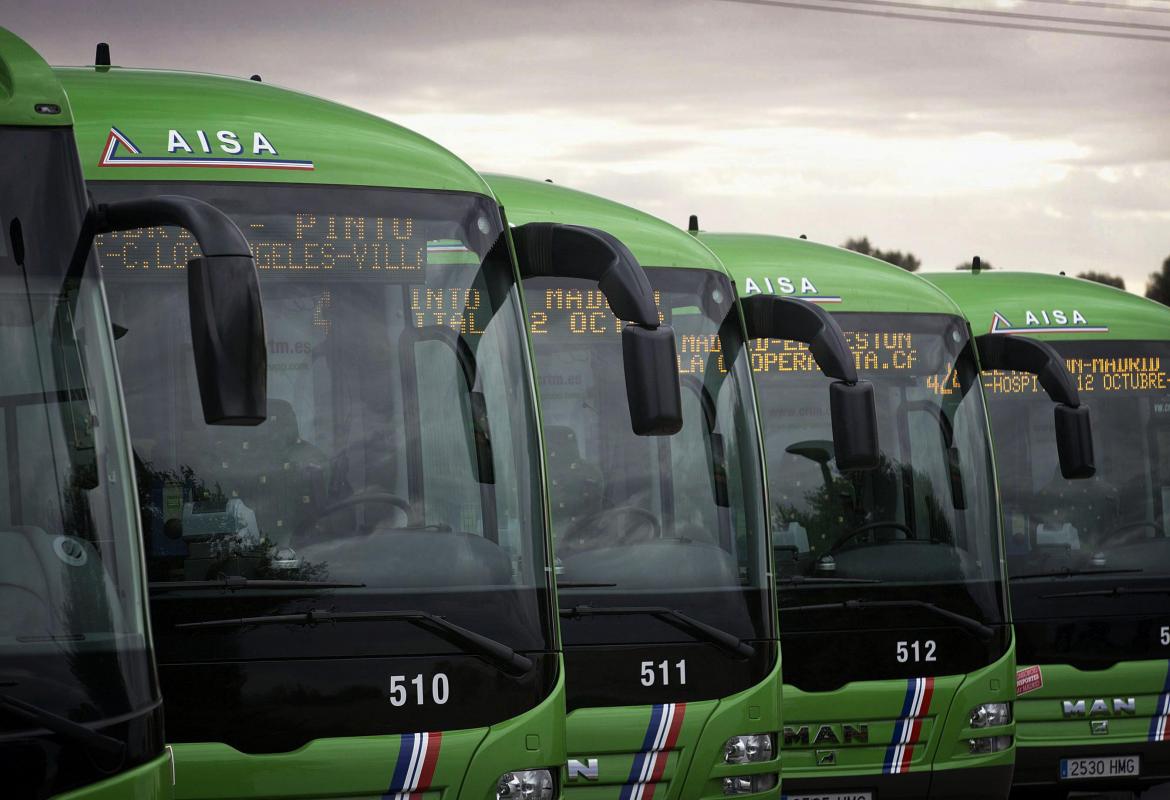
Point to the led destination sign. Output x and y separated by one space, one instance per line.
289 243
1117 372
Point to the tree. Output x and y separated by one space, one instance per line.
1159 286
1103 277
967 265
907 261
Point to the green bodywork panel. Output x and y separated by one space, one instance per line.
1052 307
26 81
694 768
1040 715
841 280
468 764
654 242
1024 302
151 781
315 141
877 705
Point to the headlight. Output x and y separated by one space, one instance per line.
749 784
748 749
989 715
989 744
526 784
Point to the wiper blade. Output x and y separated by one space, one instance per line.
233 582
796 579
494 650
64 727
1116 591
1069 573
722 638
970 623
584 585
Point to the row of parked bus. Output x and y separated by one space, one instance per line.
335 469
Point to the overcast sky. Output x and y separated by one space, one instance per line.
1034 150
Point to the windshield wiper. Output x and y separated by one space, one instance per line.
233 582
494 650
970 623
793 579
1116 591
64 727
583 585
702 630
1069 573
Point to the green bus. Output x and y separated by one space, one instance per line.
663 569
899 656
356 598
1088 561
80 708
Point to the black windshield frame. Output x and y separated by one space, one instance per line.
1116 524
75 641
292 263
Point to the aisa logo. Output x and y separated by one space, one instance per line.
1054 320
802 288
200 148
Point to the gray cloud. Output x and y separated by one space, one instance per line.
1040 150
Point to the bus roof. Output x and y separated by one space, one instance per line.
654 242
1052 306
156 125
26 84
840 280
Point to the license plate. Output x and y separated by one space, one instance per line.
1072 769
830 796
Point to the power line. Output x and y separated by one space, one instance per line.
978 23
1148 26
1110 6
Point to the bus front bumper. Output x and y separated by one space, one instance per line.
976 783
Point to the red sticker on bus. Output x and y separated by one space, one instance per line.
1028 679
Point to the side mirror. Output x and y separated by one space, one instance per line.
550 249
223 292
851 401
1074 436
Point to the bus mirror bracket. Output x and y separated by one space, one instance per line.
649 354
223 294
1074 434
851 401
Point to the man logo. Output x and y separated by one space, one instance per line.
586 771
826 758
827 734
1099 708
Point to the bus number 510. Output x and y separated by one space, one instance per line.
404 688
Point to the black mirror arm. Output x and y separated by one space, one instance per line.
215 232
550 249
771 317
1001 351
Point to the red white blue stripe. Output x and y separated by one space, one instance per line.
650 764
112 157
908 728
1159 724
418 754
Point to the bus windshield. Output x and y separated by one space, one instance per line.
667 521
1116 523
73 635
923 525
398 469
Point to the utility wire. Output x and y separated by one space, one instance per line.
1146 26
979 23
1110 6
